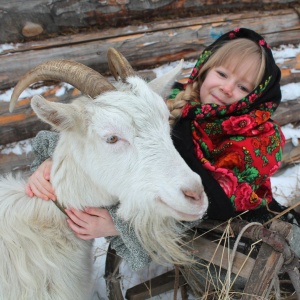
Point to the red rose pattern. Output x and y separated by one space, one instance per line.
245 198
240 124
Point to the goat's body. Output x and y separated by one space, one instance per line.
41 258
116 148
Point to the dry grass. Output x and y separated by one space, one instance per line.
208 281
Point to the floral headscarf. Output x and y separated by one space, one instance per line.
238 144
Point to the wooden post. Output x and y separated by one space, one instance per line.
111 276
268 264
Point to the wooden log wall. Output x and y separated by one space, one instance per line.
144 46
148 45
38 18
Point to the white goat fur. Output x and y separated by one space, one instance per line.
41 258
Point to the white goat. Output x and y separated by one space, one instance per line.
114 148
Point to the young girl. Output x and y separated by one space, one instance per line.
223 131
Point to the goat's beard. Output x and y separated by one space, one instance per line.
162 238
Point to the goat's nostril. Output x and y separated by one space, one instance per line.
192 195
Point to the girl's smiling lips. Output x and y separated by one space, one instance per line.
217 100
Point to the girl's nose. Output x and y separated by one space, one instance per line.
227 88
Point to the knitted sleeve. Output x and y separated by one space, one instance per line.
129 247
127 244
43 146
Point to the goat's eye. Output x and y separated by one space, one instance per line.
112 139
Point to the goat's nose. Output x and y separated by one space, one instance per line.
192 195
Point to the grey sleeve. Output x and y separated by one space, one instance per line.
127 244
43 146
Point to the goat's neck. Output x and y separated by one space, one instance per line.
73 185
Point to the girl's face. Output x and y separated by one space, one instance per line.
226 85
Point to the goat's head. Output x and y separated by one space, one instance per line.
122 137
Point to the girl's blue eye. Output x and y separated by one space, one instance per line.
221 73
244 89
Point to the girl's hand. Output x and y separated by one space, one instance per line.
91 223
39 182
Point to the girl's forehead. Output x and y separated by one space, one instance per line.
245 68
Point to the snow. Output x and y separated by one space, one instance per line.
285 184
8 46
63 88
17 148
284 52
290 91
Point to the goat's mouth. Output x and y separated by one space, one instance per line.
182 216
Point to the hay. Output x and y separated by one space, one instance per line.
208 281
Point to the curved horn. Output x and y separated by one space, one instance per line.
119 65
87 80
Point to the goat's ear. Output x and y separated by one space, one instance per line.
163 84
60 116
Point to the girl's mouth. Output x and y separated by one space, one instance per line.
218 101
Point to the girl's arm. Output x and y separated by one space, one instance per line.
91 223
39 183
43 146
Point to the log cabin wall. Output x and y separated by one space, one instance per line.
148 33
21 20
159 41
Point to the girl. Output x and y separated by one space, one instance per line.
224 132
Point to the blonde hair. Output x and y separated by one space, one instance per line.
233 53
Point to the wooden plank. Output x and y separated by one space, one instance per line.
267 265
58 16
169 44
218 255
287 112
73 39
155 286
16 162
